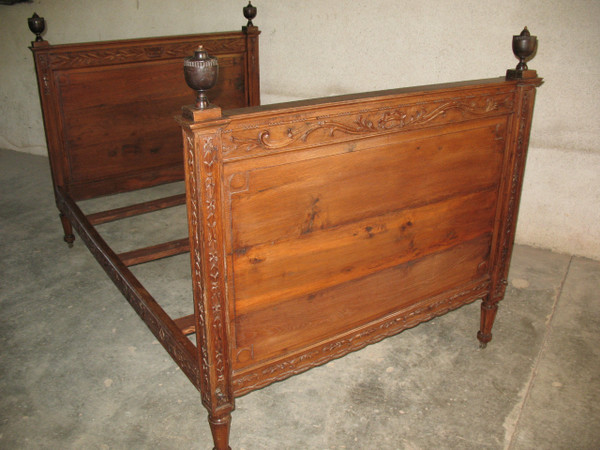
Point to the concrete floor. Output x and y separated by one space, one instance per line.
79 369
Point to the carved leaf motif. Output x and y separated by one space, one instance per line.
518 166
388 121
215 293
197 270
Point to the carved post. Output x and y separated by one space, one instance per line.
252 75
40 49
203 168
518 145
201 125
524 46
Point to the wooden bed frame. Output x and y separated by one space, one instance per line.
315 227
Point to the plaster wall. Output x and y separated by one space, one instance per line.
318 48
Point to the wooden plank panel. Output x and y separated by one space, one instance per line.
292 200
307 235
269 273
126 181
156 148
87 88
127 132
299 322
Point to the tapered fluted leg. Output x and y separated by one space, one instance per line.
488 314
68 229
219 426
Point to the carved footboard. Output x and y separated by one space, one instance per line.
319 227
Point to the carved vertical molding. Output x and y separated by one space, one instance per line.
44 79
520 142
203 181
52 117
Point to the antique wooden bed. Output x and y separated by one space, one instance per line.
315 227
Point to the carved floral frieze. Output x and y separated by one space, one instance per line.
196 233
295 133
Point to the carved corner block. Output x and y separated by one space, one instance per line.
514 74
40 44
250 30
190 112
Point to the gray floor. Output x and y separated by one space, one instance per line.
79 370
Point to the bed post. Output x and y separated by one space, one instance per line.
203 171
524 46
40 48
252 71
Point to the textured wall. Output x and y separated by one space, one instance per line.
323 47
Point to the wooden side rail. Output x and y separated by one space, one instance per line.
165 330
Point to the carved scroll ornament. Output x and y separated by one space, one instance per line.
376 122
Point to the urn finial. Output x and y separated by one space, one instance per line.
524 47
37 25
201 71
249 13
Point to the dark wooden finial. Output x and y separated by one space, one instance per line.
249 13
37 25
524 47
201 72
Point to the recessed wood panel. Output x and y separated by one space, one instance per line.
275 271
291 200
301 321
306 235
129 131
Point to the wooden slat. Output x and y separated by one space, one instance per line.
134 210
186 324
154 252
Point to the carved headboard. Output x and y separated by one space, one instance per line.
108 106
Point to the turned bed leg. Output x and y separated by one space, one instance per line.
219 426
488 314
68 229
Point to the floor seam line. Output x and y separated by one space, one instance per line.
538 358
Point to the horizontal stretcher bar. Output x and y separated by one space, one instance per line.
134 210
154 252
